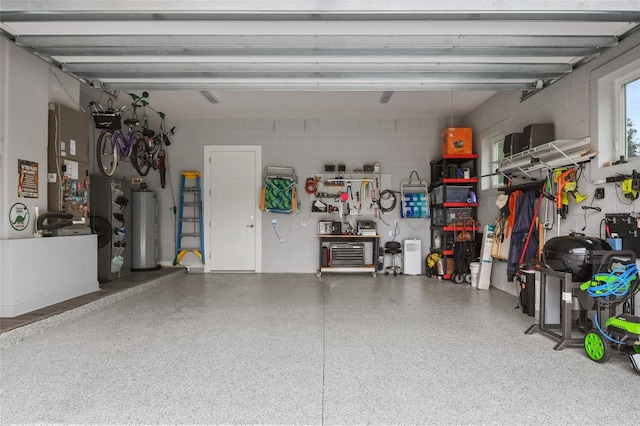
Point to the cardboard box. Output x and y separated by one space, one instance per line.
457 140
451 265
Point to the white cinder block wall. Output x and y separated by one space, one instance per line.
566 104
400 146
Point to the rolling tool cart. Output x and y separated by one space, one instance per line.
616 285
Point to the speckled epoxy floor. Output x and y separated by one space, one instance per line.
295 349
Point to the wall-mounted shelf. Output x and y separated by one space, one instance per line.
548 156
535 185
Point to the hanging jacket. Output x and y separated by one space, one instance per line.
524 215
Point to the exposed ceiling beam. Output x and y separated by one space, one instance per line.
611 11
310 67
521 51
317 41
314 76
341 86
351 45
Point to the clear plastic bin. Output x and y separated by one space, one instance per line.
454 194
447 216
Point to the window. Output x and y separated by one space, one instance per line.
497 154
631 119
615 99
491 141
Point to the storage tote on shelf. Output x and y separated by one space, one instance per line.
457 140
279 192
415 201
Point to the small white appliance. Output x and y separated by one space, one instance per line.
412 257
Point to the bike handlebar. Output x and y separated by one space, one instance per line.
137 100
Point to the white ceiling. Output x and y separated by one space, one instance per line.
317 59
266 105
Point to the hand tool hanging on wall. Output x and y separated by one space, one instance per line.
567 184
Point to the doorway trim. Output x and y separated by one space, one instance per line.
208 150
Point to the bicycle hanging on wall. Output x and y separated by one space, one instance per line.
113 145
149 153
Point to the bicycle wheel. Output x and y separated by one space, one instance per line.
162 168
107 153
139 159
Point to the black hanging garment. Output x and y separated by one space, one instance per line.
524 214
463 255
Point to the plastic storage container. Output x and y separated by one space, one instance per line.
474 269
454 194
457 140
446 216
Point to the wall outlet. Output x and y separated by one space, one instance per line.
274 222
304 222
283 239
599 195
390 233
395 222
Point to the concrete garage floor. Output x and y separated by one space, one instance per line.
297 349
109 292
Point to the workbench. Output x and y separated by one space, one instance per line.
367 267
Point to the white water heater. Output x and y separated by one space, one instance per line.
412 257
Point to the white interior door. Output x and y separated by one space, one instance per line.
233 206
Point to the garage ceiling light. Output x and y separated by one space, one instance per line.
211 97
385 97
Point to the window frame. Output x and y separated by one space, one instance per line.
608 134
487 152
497 154
622 114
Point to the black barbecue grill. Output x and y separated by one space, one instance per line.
577 254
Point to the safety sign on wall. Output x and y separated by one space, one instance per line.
27 179
19 216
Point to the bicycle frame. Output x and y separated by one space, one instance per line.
113 144
123 142
150 154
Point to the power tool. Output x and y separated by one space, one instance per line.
631 186
567 184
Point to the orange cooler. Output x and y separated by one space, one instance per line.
457 140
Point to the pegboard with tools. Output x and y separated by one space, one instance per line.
345 193
622 225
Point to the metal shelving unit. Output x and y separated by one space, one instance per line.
547 156
441 169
